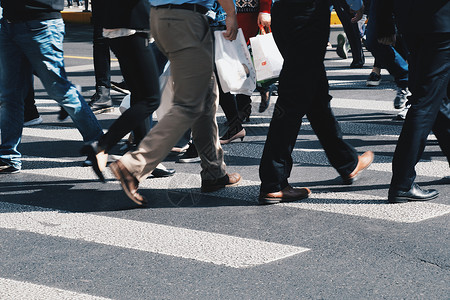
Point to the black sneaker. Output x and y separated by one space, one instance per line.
62 114
7 168
120 87
190 156
374 79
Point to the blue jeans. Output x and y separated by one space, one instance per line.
24 47
385 55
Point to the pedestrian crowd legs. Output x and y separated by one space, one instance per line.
36 46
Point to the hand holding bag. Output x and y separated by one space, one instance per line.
234 64
266 56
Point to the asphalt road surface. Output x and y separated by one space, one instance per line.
65 235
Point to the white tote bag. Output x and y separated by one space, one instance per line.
234 64
266 56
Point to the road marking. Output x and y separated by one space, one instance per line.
85 57
86 67
215 248
13 290
344 203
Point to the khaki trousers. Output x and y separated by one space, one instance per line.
185 38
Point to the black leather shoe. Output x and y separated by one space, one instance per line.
416 193
158 172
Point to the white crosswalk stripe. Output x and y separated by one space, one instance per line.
14 290
203 246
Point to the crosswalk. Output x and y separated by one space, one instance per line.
199 245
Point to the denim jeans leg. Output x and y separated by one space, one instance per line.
15 80
42 43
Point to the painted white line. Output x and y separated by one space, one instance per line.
363 104
13 290
345 203
370 206
219 249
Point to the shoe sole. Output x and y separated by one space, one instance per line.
6 171
372 83
188 160
268 201
340 47
119 176
103 110
120 90
409 199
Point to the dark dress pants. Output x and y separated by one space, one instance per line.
303 90
102 56
429 73
139 69
351 29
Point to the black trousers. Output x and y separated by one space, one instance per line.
139 69
351 29
102 56
303 90
429 75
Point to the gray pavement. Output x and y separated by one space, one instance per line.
64 235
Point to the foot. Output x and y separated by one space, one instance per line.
190 156
162 171
364 162
129 183
356 65
374 79
8 168
230 136
265 100
342 46
97 157
288 194
416 193
62 114
220 183
401 98
101 101
120 87
32 122
402 114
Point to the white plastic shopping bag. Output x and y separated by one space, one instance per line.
166 88
234 64
266 56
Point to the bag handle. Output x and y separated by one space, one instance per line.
262 30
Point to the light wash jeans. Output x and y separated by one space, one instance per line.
24 47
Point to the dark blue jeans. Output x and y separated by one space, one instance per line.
36 46
303 90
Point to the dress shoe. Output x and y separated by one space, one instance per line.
265 99
219 183
161 171
97 157
364 162
228 137
288 194
129 183
416 193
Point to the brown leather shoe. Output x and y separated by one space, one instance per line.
129 183
288 194
219 183
364 162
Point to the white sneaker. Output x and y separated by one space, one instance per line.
401 98
33 122
342 46
402 115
